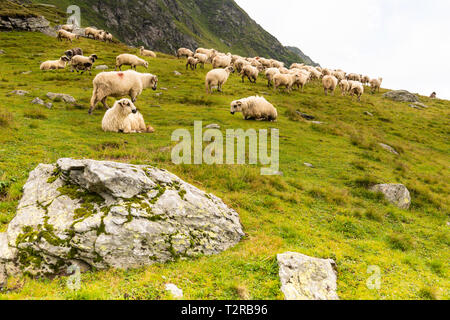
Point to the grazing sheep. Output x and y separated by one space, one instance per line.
184 53
250 72
345 87
340 75
365 80
192 62
68 27
210 53
124 117
315 74
354 77
146 53
221 61
202 58
255 108
302 79
74 52
270 73
326 72
240 64
130 60
55 64
266 63
89 31
285 80
107 37
356 88
82 63
375 84
329 84
296 66
433 95
217 78
283 70
63 34
119 84
276 64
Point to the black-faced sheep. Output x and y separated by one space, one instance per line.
55 64
329 84
130 60
217 78
125 118
74 52
255 108
89 31
82 63
120 84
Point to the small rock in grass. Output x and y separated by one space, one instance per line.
2 52
176 292
177 73
165 89
389 148
367 113
27 72
19 92
102 67
213 126
309 165
304 115
64 97
316 122
49 105
396 194
37 101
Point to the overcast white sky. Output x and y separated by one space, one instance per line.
407 42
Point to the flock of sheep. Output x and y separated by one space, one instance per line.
124 117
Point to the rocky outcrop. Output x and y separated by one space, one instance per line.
111 215
26 23
396 194
306 278
62 97
401 96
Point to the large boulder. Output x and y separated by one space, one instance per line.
401 96
396 194
26 23
111 215
306 278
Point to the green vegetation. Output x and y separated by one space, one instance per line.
324 212
10 8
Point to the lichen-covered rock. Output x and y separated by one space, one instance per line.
61 96
306 278
401 96
396 194
389 148
112 215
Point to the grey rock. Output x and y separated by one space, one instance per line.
317 122
415 107
401 96
48 105
2 52
158 94
389 148
309 165
213 126
304 115
102 67
176 292
306 278
61 96
367 113
111 215
27 72
19 92
38 101
30 23
177 73
396 194
164 89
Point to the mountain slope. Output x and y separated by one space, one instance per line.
166 25
303 56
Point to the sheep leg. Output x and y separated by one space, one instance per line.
104 103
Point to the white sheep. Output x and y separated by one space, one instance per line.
283 70
107 37
55 64
302 77
326 72
354 77
270 73
266 63
82 63
285 80
365 80
130 60
375 84
202 58
120 84
63 34
124 117
68 27
345 87
329 84
255 108
356 88
146 53
240 64
217 78
184 53
89 31
192 62
221 61
276 64
250 72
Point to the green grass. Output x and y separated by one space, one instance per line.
324 212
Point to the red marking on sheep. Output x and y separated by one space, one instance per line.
120 74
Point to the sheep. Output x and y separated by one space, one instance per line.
375 84
365 80
89 31
146 53
63 34
68 27
339 75
302 79
192 62
130 60
315 74
240 64
235 58
83 63
210 53
119 84
354 77
74 52
270 73
221 61
55 64
329 84
296 66
345 87
433 95
124 117
217 77
356 88
276 64
326 72
184 53
250 72
257 108
106 36
283 70
202 58
266 63
286 80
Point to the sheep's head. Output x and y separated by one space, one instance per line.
69 53
153 82
230 69
146 65
93 57
126 106
65 59
236 106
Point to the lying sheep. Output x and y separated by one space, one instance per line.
356 88
202 58
345 87
146 53
255 108
63 34
329 84
270 73
221 61
55 64
217 78
184 53
125 118
130 60
74 52
82 63
192 62
375 84
250 72
285 80
119 84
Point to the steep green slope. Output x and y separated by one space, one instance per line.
324 212
170 24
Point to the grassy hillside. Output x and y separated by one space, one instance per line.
324 212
